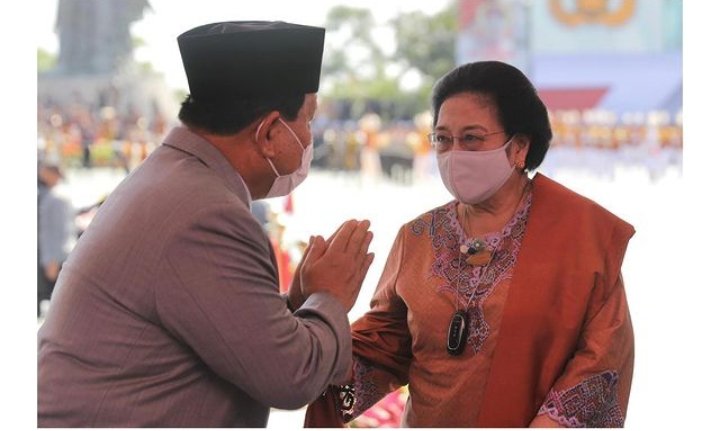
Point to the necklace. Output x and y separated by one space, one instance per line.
478 253
460 322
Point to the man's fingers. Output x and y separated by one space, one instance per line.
366 265
334 234
363 248
358 238
315 250
297 279
305 253
360 276
342 235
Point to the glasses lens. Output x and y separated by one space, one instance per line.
441 141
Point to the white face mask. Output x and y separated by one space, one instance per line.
474 176
284 184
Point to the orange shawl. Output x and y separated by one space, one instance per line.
564 345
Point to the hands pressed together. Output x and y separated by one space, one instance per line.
337 265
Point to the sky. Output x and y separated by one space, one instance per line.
169 18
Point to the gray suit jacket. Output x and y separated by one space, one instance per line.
167 312
56 234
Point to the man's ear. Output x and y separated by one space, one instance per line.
265 133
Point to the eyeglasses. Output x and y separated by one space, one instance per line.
443 141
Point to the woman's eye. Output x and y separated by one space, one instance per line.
471 139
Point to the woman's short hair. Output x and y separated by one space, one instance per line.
519 108
228 118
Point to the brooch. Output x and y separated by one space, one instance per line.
476 253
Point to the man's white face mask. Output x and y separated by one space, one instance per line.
284 184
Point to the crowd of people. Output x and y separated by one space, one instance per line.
87 136
595 141
599 142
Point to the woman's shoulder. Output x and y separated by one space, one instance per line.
562 203
429 218
439 210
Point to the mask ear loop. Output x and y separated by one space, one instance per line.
293 133
257 135
257 131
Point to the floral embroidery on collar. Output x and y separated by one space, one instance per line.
447 236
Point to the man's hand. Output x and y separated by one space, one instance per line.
295 295
339 265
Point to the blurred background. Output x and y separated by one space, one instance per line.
110 80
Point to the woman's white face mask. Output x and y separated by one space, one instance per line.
474 176
284 184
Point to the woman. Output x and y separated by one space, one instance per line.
506 306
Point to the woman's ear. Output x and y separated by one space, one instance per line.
520 150
265 133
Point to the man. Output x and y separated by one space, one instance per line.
55 230
167 314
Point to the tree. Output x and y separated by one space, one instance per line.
426 45
352 29
357 73
427 42
45 60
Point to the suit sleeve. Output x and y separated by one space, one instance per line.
223 302
381 353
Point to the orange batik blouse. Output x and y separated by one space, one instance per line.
548 325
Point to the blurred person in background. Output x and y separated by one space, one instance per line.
261 211
167 313
88 133
56 232
504 307
424 160
369 133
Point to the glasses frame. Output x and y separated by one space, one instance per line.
461 140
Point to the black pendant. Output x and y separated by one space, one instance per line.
457 333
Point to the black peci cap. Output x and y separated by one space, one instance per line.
232 60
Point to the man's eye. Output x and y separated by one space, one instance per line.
442 139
